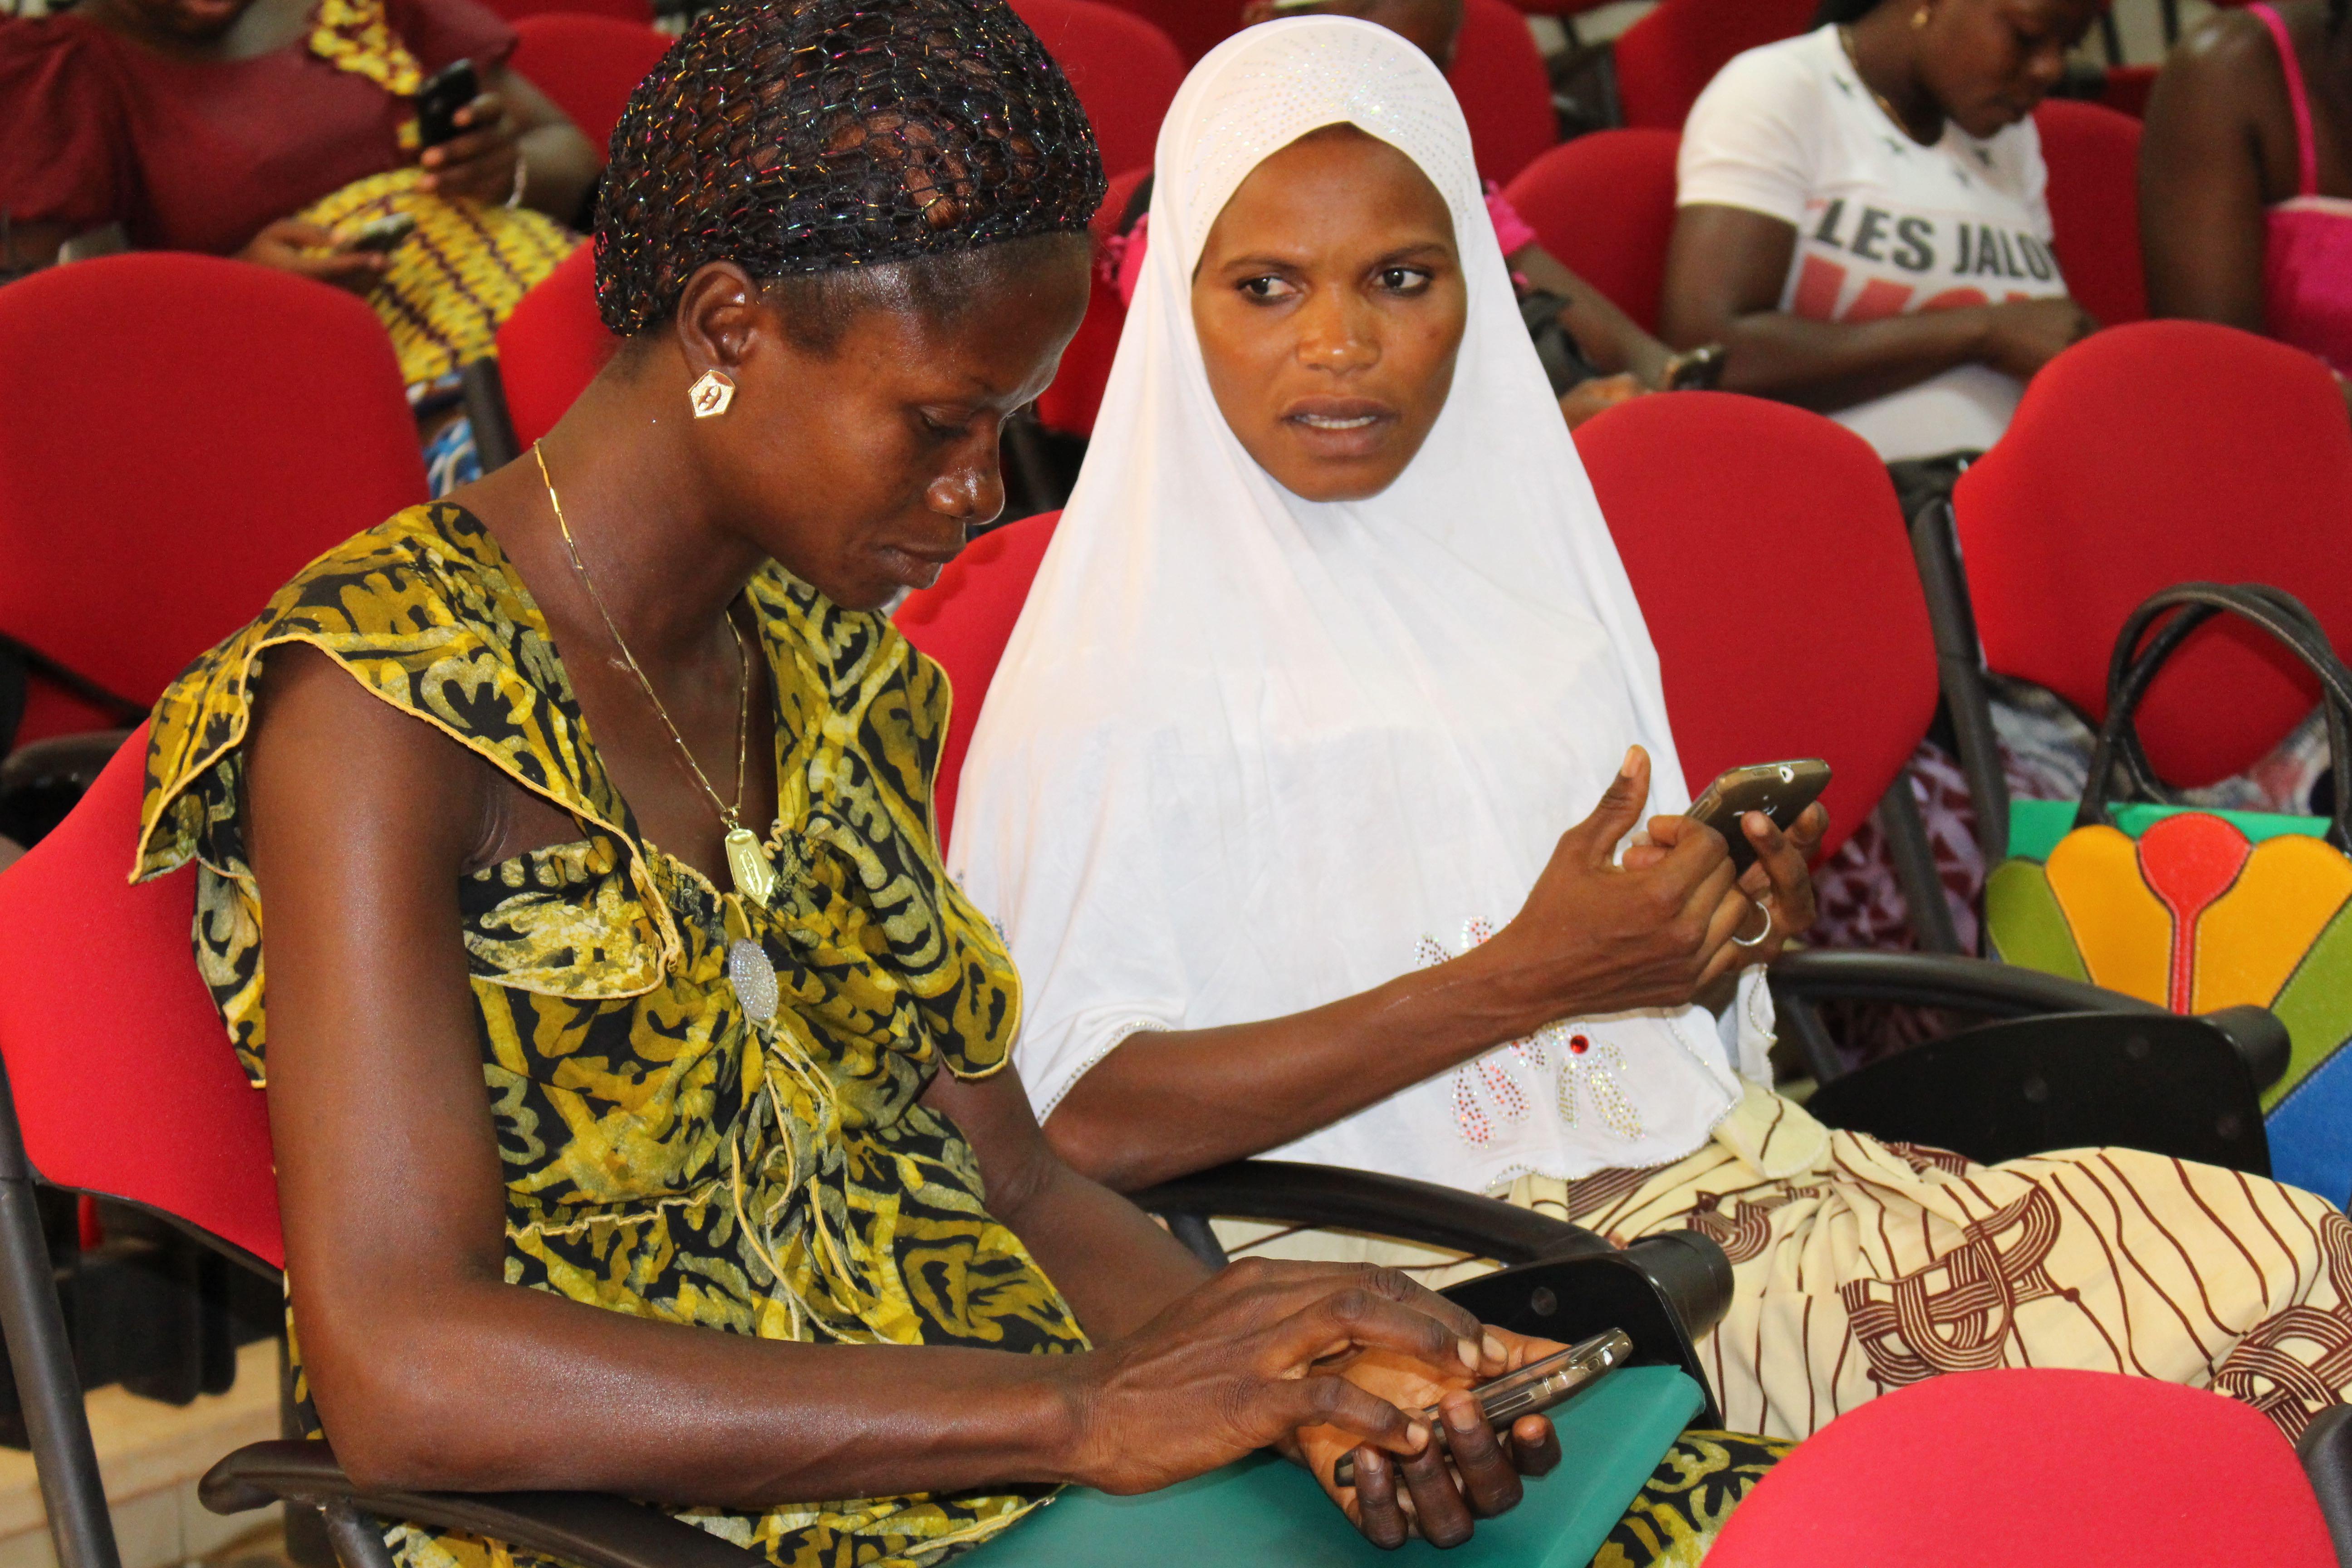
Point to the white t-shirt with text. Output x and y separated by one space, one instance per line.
1884 225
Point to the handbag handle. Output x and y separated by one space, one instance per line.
2119 763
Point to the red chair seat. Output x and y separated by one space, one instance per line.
121 1070
2088 1469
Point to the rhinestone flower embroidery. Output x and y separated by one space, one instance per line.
1487 1092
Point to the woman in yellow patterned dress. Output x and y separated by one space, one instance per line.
469 800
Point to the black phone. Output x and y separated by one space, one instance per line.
445 92
1781 791
380 235
1531 1390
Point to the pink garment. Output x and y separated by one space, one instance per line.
1122 259
2307 266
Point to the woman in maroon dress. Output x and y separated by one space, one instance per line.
269 129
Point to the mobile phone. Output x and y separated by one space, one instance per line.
1531 1390
380 235
1695 369
445 92
1781 791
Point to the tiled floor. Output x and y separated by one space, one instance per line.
150 1456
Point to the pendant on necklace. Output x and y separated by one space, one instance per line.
753 977
748 864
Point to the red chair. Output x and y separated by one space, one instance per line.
1807 511
2037 1466
641 12
2144 455
2127 88
181 433
1605 205
1123 70
551 347
964 620
1068 404
587 64
1664 61
1505 92
1195 27
2093 159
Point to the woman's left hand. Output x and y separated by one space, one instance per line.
1780 883
479 162
1440 1493
1596 395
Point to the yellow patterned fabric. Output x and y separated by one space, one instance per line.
355 36
456 278
665 1155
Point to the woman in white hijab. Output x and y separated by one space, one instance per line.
1267 794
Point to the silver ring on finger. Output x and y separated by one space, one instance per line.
1761 937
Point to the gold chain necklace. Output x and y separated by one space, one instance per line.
1845 41
747 859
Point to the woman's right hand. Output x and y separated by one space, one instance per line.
1256 1354
2023 335
1595 938
292 245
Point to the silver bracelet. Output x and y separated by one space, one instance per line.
522 172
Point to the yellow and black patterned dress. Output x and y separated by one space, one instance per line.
665 1154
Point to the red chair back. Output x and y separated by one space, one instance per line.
2061 1467
551 347
1124 70
1733 514
1666 60
182 434
963 621
1605 205
1070 403
2093 159
587 64
1195 27
2149 454
124 1082
1505 92
640 12
2128 87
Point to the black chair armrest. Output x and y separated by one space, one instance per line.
1980 985
484 390
73 760
595 1530
1940 979
1278 1192
2325 1450
2154 1080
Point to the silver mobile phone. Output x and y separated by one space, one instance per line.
1531 1390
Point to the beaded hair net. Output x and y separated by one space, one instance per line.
802 136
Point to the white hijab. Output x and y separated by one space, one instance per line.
1247 754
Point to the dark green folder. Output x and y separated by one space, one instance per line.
1265 1512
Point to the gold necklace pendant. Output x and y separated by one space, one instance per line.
747 862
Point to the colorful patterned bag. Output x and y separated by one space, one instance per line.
2202 910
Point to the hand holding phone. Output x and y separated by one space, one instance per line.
1781 791
445 92
1531 1390
380 235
